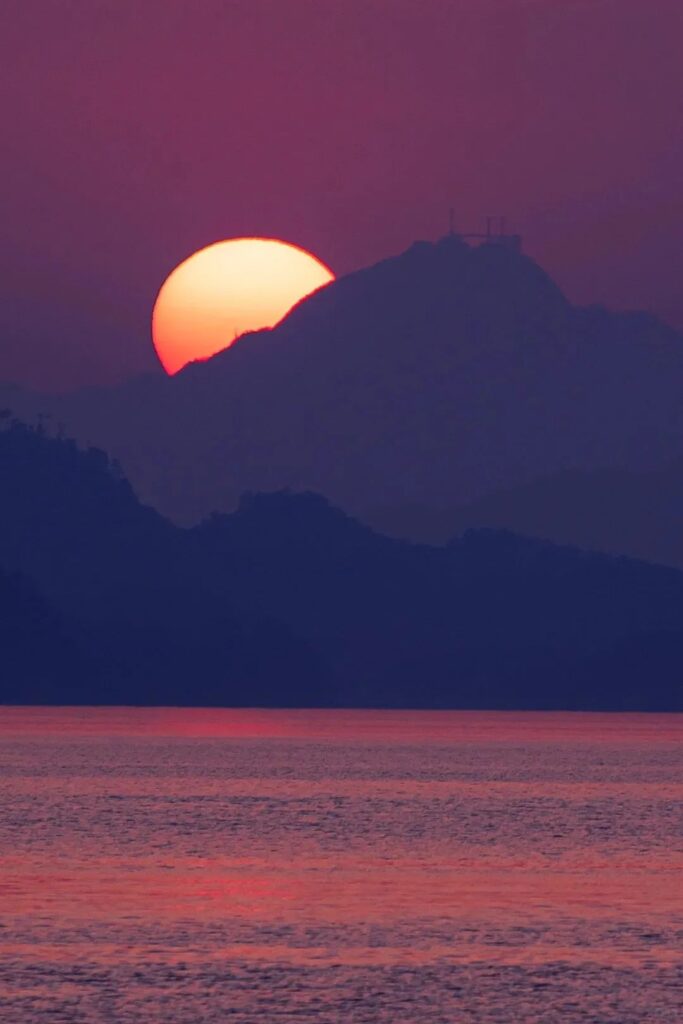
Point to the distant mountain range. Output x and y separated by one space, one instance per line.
289 601
430 380
639 514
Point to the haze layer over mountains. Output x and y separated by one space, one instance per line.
407 393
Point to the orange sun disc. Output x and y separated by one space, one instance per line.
242 284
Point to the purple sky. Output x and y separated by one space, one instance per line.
136 131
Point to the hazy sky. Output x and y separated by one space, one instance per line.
136 131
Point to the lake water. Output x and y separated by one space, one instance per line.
191 867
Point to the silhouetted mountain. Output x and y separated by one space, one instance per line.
289 601
151 627
38 657
617 511
492 620
431 378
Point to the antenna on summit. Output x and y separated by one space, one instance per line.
496 233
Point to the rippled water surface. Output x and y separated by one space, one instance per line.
177 867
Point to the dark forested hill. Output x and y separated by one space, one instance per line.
490 620
39 659
289 601
149 627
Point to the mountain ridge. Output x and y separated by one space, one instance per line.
289 601
436 376
616 511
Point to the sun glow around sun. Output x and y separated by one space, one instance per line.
218 293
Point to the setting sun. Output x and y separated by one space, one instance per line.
214 296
